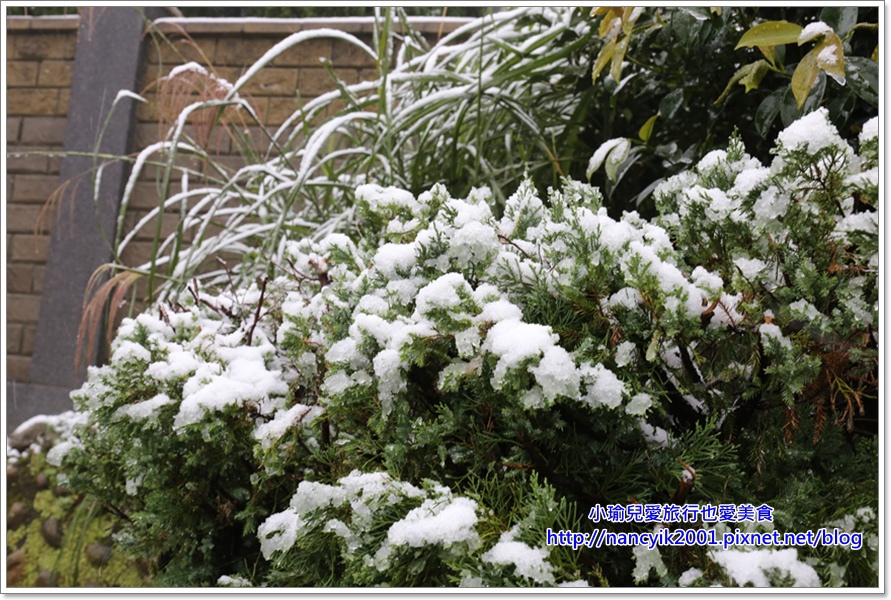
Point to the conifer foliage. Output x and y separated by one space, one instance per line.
417 398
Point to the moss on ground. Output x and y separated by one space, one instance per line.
84 525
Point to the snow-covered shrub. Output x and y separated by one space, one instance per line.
417 398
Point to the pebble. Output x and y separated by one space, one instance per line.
52 532
46 579
98 554
12 473
61 491
41 481
15 567
17 514
22 439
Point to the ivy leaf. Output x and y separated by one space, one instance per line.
772 33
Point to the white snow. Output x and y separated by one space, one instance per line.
130 351
528 562
752 567
270 432
557 374
514 341
625 353
145 409
813 131
391 259
437 521
279 532
381 200
602 386
870 130
689 576
772 331
813 30
639 404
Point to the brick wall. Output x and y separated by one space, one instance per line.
39 65
40 54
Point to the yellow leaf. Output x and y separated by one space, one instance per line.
875 54
771 33
606 53
611 24
769 53
630 17
618 56
804 77
716 10
831 57
647 130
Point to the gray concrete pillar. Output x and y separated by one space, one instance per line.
108 57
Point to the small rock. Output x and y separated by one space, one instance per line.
16 558
46 579
15 572
12 473
52 532
98 554
21 439
41 481
61 491
17 514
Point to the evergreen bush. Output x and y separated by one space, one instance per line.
417 399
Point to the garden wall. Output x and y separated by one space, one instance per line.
41 54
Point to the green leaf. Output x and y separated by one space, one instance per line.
737 77
771 33
863 75
840 18
647 130
670 103
752 78
767 112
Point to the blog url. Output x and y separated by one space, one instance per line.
703 537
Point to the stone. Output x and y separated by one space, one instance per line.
46 579
21 439
52 532
12 472
17 515
41 481
15 567
98 554
61 491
